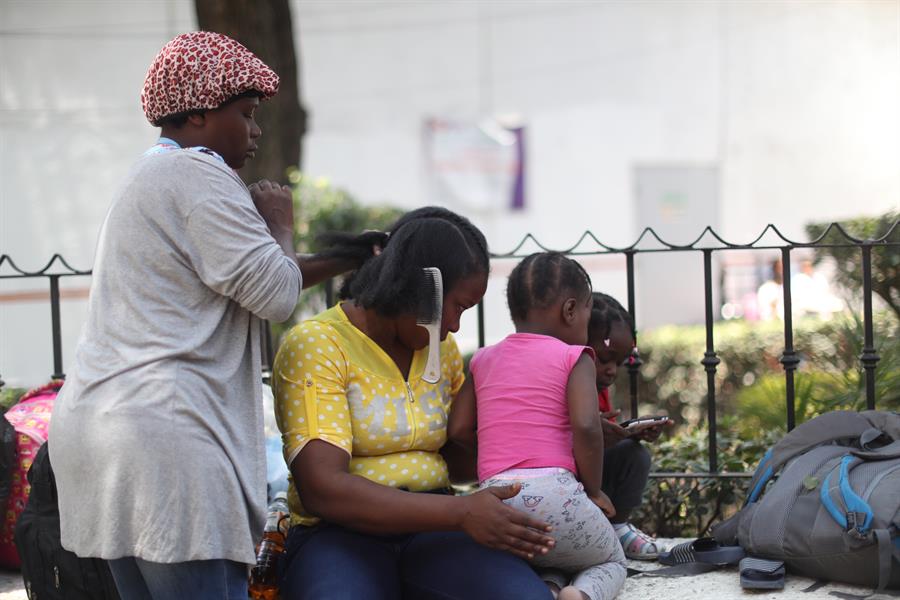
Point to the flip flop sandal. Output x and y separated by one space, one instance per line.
761 574
702 550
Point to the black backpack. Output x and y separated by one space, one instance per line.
50 572
7 458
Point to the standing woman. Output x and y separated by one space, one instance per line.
373 515
157 436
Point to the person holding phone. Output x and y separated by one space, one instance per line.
636 423
626 461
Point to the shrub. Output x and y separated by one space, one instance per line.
320 207
687 507
10 396
750 395
672 380
836 382
885 259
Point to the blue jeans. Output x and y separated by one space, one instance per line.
328 561
138 579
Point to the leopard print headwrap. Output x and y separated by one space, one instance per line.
201 70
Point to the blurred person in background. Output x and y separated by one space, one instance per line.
770 295
811 293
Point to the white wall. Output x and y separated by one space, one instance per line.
797 103
70 126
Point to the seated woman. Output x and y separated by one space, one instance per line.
372 512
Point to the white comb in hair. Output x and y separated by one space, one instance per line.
431 307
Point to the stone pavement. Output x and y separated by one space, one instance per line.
718 585
11 587
724 584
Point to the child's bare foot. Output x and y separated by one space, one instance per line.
570 592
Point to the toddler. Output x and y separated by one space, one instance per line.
532 399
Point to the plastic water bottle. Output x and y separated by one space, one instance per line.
264 576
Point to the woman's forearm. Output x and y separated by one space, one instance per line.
365 506
316 269
330 492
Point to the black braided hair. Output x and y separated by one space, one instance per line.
392 283
354 247
605 311
543 278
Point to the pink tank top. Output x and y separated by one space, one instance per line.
523 412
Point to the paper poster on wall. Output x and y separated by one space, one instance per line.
476 166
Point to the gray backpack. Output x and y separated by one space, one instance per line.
826 500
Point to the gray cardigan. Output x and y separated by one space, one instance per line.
156 439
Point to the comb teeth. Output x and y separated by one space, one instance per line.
429 316
431 305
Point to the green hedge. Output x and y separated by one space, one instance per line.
687 507
751 406
673 381
9 397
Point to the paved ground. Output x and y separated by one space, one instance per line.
11 587
724 585
718 585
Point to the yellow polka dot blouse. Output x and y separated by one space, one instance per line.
333 383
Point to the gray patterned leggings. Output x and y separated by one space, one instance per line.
587 553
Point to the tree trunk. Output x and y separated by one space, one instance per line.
264 27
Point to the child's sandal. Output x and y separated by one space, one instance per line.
637 544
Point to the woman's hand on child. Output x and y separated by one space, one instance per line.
604 503
495 525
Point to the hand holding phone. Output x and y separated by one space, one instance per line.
646 429
633 423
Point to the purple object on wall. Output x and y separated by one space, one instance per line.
518 191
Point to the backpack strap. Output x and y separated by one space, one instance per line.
828 428
760 478
837 426
725 532
884 420
852 501
883 453
857 507
885 555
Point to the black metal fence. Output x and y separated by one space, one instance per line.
55 269
708 243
